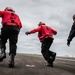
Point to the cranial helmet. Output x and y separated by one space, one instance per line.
73 16
9 9
41 23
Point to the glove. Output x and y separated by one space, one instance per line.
68 42
27 33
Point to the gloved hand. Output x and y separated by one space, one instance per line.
68 42
26 33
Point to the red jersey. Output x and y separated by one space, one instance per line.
44 32
7 16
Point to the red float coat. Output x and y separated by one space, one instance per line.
44 32
6 18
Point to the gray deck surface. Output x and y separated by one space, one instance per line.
27 64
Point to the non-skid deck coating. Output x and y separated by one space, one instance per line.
26 64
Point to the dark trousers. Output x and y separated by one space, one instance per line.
46 44
9 33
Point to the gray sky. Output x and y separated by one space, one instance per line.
55 13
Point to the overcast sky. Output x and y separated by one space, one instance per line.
55 13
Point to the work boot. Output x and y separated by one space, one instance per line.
3 54
53 56
11 61
50 64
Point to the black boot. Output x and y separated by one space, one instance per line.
50 63
53 56
11 61
3 54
